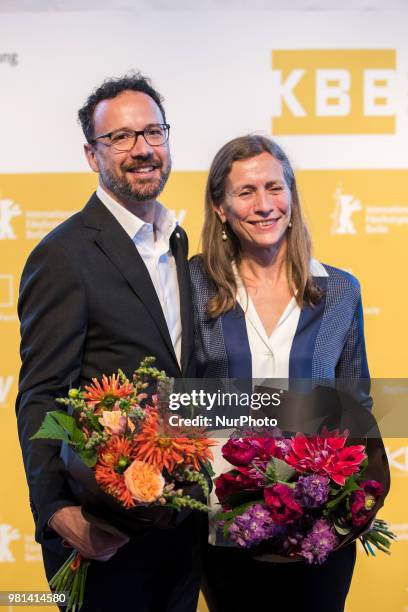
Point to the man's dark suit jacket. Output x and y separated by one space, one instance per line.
87 306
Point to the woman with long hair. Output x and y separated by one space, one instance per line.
265 308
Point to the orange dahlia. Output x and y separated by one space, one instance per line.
113 459
109 392
155 445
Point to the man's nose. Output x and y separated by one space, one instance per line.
141 147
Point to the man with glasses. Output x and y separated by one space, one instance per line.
103 290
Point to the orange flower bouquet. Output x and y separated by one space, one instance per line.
127 466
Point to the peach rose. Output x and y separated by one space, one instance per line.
114 422
144 482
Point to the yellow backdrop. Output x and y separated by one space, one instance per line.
357 221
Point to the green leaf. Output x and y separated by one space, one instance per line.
68 422
335 502
94 420
88 456
282 469
208 467
363 466
350 485
231 514
77 437
58 425
51 430
334 490
270 472
224 516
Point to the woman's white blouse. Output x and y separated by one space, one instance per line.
269 355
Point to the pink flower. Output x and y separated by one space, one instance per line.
114 422
325 455
364 500
282 505
233 482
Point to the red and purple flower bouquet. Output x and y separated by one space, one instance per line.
292 499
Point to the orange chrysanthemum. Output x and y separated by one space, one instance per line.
159 448
118 453
109 392
201 452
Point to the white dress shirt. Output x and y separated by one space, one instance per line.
152 240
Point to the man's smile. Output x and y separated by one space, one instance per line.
144 170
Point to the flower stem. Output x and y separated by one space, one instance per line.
71 578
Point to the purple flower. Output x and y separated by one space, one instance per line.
319 542
252 526
312 491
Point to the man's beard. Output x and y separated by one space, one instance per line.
137 192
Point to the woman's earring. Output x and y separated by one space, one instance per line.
224 233
290 224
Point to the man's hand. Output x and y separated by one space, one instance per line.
90 541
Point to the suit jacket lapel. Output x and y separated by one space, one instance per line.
304 341
120 249
178 244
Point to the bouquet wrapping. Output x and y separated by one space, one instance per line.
102 509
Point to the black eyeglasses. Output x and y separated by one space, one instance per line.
124 140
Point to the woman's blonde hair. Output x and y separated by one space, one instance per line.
218 254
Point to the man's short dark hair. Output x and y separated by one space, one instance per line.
110 88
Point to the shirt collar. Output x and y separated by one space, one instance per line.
164 220
317 269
